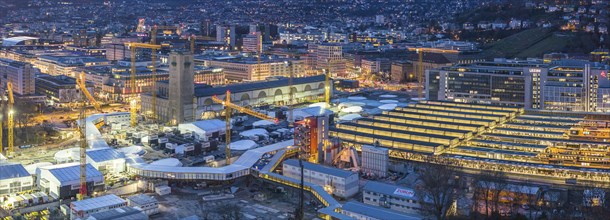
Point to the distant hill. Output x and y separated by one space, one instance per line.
538 41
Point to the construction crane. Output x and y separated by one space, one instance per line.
10 122
419 71
133 103
228 108
327 85
82 85
192 40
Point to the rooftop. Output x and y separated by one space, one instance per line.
389 189
97 202
123 213
376 212
71 172
9 171
141 199
321 169
104 154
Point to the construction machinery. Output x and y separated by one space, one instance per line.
229 107
133 103
419 71
82 85
10 121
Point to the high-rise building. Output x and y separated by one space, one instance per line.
375 160
402 71
226 34
181 86
330 57
253 42
21 75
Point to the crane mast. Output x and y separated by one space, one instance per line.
133 102
10 122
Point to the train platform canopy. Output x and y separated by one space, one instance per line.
170 162
9 171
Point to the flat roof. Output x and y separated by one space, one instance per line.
104 154
377 212
97 202
141 199
9 171
66 173
259 85
122 213
321 168
389 189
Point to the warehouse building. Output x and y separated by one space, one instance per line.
390 196
85 208
14 178
63 180
339 182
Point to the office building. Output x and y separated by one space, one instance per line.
330 56
66 65
241 68
14 178
253 43
227 35
560 85
84 208
20 74
389 196
60 90
341 183
374 161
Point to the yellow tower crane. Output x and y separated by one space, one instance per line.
228 108
133 103
10 121
419 71
192 41
82 85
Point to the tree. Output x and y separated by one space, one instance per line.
489 187
437 188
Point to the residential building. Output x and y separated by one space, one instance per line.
389 196
402 71
227 35
341 183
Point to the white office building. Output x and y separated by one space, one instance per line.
341 183
374 161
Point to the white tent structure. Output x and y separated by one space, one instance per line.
242 145
204 129
170 162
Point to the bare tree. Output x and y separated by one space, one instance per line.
490 186
437 188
